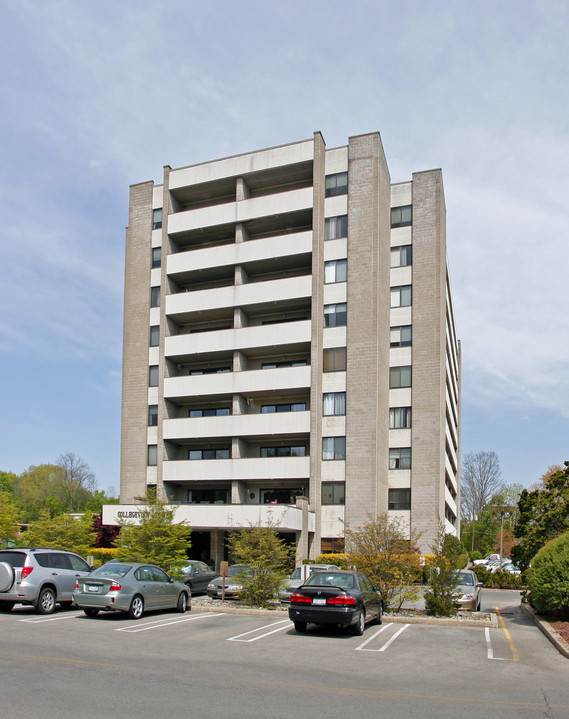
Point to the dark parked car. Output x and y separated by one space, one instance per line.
131 588
295 579
197 575
338 597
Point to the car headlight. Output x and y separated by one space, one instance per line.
211 585
233 587
467 597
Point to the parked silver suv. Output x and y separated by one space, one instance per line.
38 576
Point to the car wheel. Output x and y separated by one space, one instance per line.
91 612
378 618
358 628
6 606
182 605
45 603
136 609
300 626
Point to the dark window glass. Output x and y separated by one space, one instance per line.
400 336
153 376
401 216
399 377
400 418
333 492
152 455
155 296
335 315
401 256
336 227
337 184
156 257
399 499
154 336
401 296
400 458
333 448
157 219
153 415
334 360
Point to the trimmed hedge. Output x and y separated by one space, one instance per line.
102 554
548 578
499 579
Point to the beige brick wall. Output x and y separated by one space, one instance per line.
135 343
367 329
429 342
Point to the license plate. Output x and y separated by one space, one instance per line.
318 601
92 588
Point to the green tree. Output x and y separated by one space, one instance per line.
383 550
443 580
543 515
548 578
63 531
34 491
7 481
157 539
261 548
9 518
74 483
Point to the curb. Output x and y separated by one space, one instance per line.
558 642
489 621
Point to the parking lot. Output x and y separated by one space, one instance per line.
170 659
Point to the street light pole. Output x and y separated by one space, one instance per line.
502 509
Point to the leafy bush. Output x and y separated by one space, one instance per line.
500 579
475 555
548 578
339 559
442 579
261 548
65 531
102 554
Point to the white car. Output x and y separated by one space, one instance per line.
486 560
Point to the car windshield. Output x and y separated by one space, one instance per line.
330 579
238 570
112 569
465 578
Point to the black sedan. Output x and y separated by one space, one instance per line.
197 575
346 599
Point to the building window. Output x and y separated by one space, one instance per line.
336 227
152 455
334 360
153 415
335 315
333 492
400 336
293 407
210 412
154 336
333 448
335 271
400 458
292 451
402 216
400 418
401 296
402 256
399 377
285 363
399 499
331 545
210 370
156 257
337 184
153 376
222 453
155 296
334 403
157 219
280 496
208 496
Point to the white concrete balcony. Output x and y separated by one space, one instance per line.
248 468
239 165
259 336
278 203
288 517
242 425
243 296
240 253
228 383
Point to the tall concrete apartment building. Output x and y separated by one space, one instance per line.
290 352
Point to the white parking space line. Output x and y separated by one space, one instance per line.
387 644
160 623
237 638
38 620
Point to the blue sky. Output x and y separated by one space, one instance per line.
98 96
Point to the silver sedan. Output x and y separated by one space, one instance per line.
131 588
